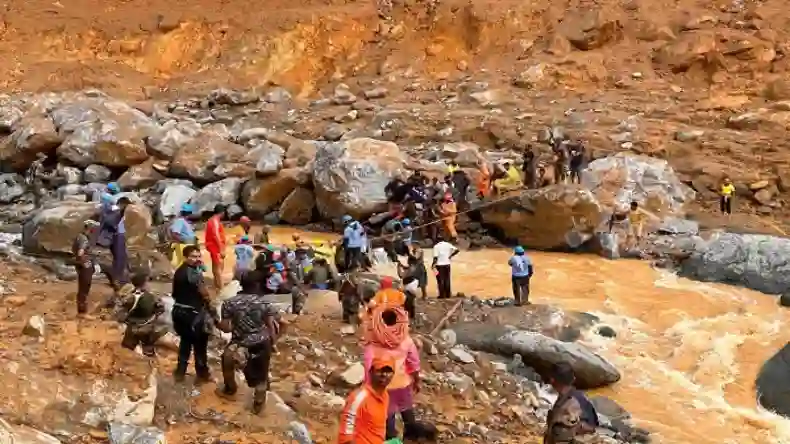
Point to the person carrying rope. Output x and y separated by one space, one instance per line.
388 338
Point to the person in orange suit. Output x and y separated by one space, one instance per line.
215 244
449 213
364 417
484 180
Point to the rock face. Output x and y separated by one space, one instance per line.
541 352
297 208
225 192
24 435
140 176
618 180
53 229
773 383
550 218
173 197
350 176
102 131
208 157
11 187
32 134
754 261
260 196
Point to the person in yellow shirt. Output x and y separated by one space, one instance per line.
727 192
511 181
636 219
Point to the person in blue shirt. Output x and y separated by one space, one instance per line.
245 255
353 241
181 233
521 267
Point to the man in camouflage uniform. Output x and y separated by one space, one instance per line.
140 310
35 177
572 416
349 296
254 326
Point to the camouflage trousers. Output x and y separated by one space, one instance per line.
254 362
298 299
351 306
145 335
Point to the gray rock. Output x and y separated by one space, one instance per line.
225 96
12 187
96 173
541 352
70 190
689 136
458 354
35 327
674 226
618 180
277 95
376 93
173 197
754 261
266 156
334 132
32 134
299 433
65 175
354 375
20 434
130 434
170 137
610 409
225 192
350 176
343 96
773 383
53 229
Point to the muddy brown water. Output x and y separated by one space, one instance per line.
689 352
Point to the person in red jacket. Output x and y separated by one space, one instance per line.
364 418
215 244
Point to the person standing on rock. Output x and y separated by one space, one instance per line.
572 414
216 243
449 213
578 162
521 273
353 241
35 177
83 263
364 417
181 234
253 326
443 253
726 194
192 315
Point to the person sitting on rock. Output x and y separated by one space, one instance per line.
252 323
572 414
512 180
140 311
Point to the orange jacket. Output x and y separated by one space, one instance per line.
215 235
364 418
389 296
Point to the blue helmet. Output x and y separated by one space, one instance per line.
187 208
406 221
113 187
519 250
279 266
347 219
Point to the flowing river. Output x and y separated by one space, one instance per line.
689 352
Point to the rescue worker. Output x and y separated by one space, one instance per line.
484 178
262 238
572 414
83 263
215 244
452 166
192 315
443 253
521 273
350 299
390 231
245 255
636 219
353 241
364 417
387 294
411 285
277 282
512 180
252 323
116 225
140 311
35 177
181 234
449 213
726 194
321 276
246 225
577 162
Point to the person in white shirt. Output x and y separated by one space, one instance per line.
443 253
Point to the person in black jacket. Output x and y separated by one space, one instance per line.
193 316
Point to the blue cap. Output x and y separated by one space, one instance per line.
347 219
406 221
519 250
187 208
113 187
278 266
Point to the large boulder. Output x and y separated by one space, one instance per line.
297 208
266 157
754 261
773 383
102 131
22 434
12 187
261 196
53 229
350 176
541 352
225 192
549 218
144 175
138 226
209 157
32 134
174 196
618 180
168 139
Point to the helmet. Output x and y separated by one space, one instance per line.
519 250
386 282
245 239
406 221
244 219
113 187
279 266
187 208
347 219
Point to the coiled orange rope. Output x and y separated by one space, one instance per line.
388 336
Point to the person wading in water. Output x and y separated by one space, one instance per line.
521 267
192 316
253 326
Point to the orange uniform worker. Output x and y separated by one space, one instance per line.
388 295
364 418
